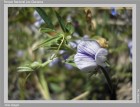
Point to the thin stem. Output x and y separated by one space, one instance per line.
81 96
40 88
59 47
21 88
44 84
46 63
26 79
108 79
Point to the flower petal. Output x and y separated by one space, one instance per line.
100 56
88 47
84 62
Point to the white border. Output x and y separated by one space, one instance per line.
68 101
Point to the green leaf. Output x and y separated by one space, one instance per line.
46 30
61 21
69 28
45 17
25 69
55 87
49 41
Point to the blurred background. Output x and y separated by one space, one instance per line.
60 81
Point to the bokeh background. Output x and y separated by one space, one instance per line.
62 81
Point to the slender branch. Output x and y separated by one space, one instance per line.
59 47
44 84
26 79
40 88
107 78
112 89
46 63
81 96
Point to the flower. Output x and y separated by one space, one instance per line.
113 11
20 53
89 55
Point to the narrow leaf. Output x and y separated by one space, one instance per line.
69 28
24 69
48 42
45 17
46 30
61 21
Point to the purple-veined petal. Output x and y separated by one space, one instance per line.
85 63
88 47
100 56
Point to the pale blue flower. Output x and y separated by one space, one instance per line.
89 55
20 53
113 11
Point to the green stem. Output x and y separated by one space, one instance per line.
22 89
44 84
46 63
40 88
81 96
59 46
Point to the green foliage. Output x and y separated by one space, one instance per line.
46 30
25 69
32 50
61 22
50 43
69 28
45 17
